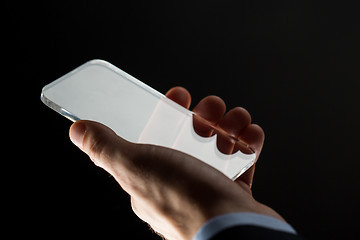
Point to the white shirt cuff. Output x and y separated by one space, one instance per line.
220 223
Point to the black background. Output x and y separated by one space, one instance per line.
293 64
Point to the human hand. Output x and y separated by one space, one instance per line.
170 190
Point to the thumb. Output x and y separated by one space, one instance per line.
101 144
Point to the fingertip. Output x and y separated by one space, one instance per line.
208 112
235 121
259 130
212 108
77 132
254 136
180 95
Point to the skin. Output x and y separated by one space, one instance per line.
172 191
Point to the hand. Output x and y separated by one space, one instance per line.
172 191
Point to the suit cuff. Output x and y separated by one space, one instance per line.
220 223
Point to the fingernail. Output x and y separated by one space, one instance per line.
77 132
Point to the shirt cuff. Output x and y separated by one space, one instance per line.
220 223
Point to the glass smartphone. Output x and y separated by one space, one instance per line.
101 92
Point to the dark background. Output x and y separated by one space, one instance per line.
293 64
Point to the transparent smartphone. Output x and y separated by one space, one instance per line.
101 92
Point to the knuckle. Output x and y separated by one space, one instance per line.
133 206
94 146
135 209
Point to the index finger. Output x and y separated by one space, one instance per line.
180 95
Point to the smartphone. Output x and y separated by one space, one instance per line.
99 91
